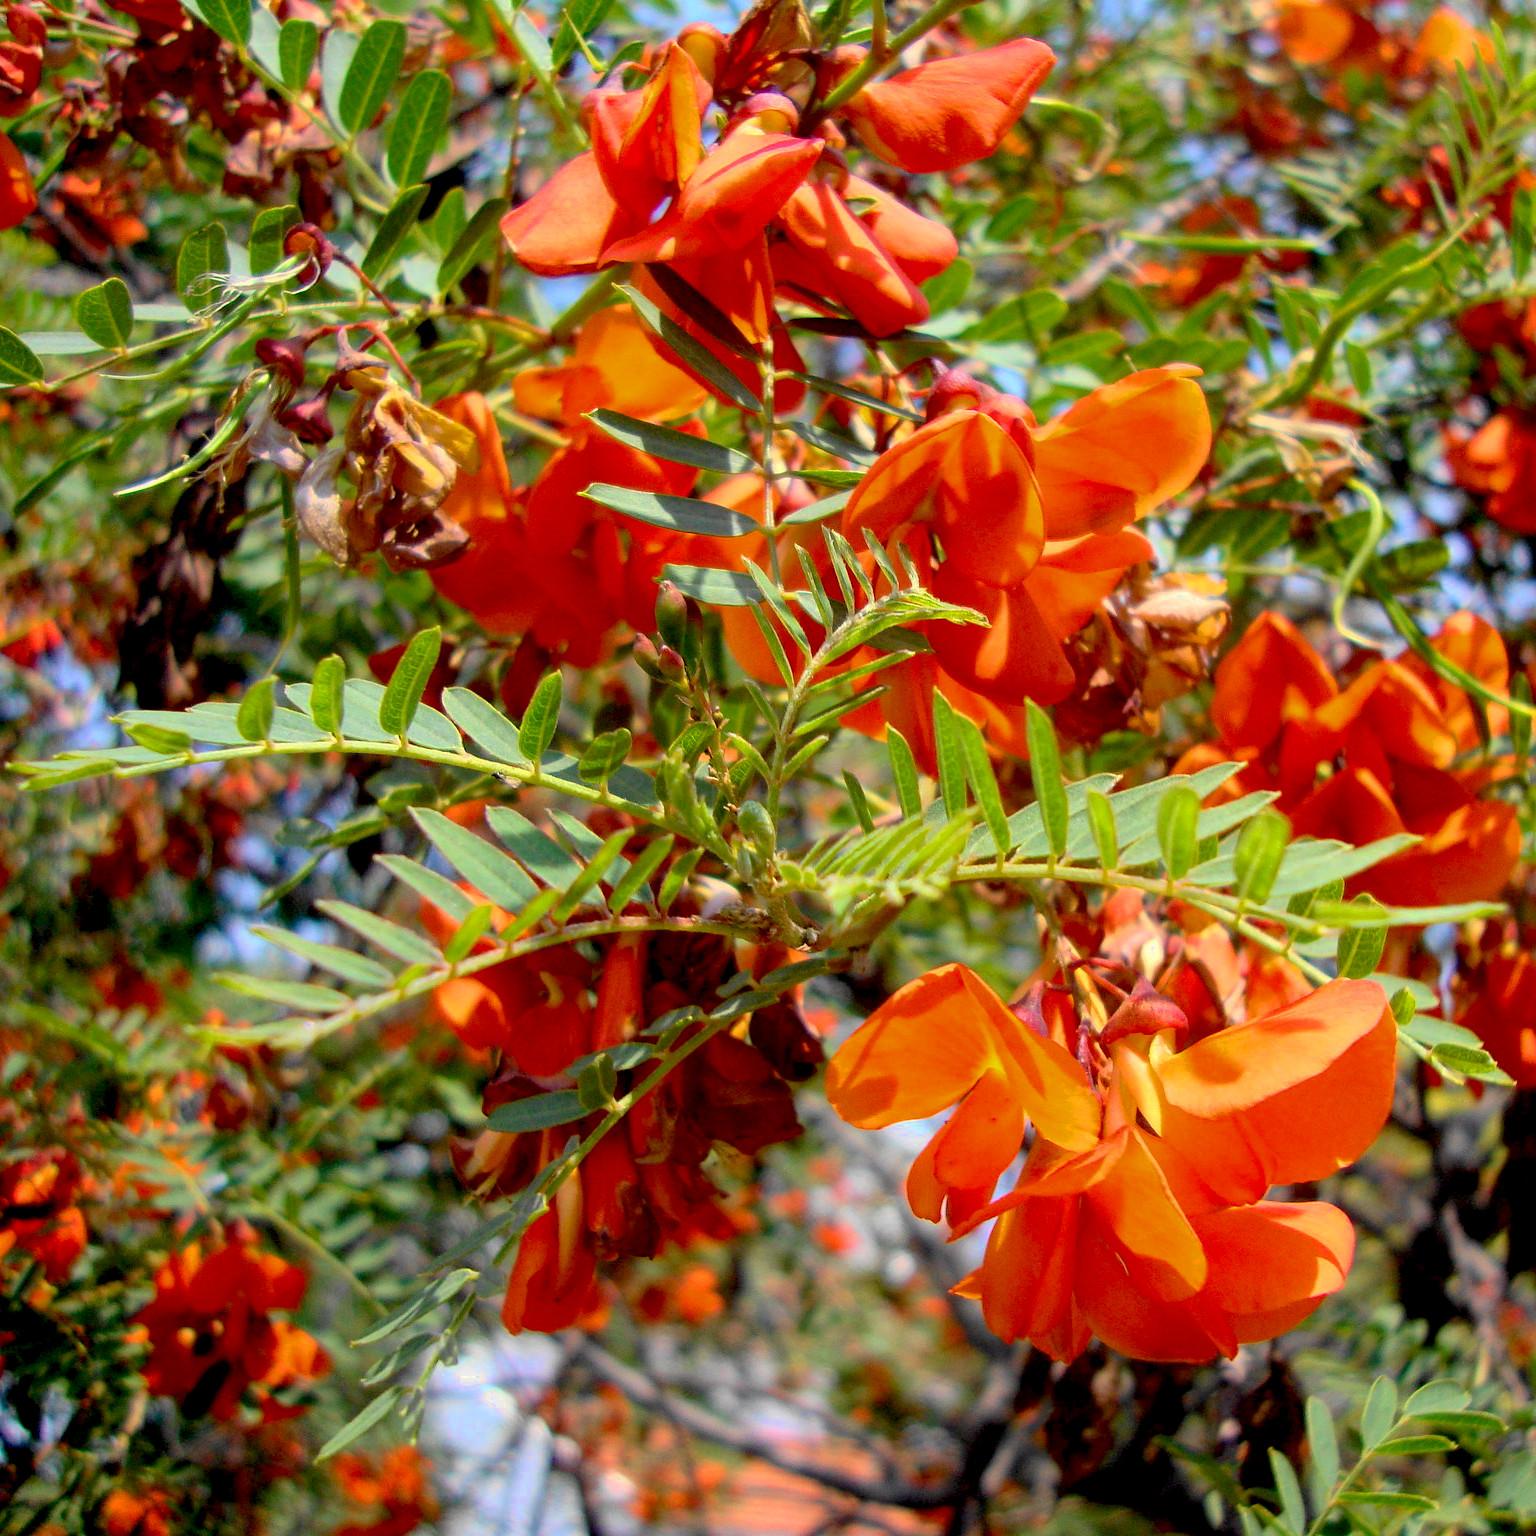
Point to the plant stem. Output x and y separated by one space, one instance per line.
877 59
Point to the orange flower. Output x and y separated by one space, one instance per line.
613 363
870 262
948 112
1140 1216
1027 524
212 1334
646 150
1498 462
395 1483
1503 1014
691 1296
38 1214
903 1064
101 212
1447 39
1375 760
1418 195
18 197
1332 34
145 1513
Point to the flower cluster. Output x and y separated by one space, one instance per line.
643 1186
1496 461
726 176
1027 524
1392 753
1344 38
1140 1217
212 1334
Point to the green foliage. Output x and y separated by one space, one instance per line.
139 479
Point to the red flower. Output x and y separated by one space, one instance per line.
212 1334
642 1188
768 205
38 1214
21 59
1195 275
598 571
1497 984
18 197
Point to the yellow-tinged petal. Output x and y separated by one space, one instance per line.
1121 451
1155 1238
1048 1080
919 1052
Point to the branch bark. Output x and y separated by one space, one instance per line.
644 1392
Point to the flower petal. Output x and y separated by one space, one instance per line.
949 112
1132 1321
965 475
567 224
18 197
922 1050
1273 1262
830 254
920 246
1026 1281
1292 1096
1269 678
729 200
1016 656
1121 451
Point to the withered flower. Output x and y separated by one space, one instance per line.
1152 641
403 457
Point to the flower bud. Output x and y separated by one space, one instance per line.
285 357
309 242
956 390
757 826
646 656
309 421
671 615
774 111
705 45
